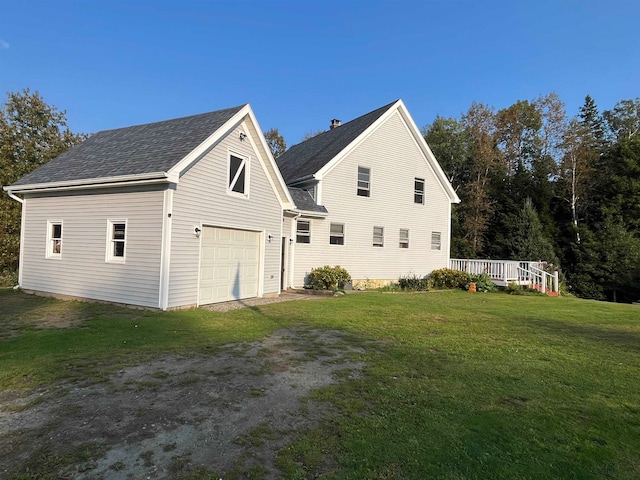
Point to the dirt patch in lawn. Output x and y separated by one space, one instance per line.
226 414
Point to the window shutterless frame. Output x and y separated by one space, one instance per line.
436 241
378 236
364 182
336 234
404 238
303 231
54 239
418 190
238 175
116 241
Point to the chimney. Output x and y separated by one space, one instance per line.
335 123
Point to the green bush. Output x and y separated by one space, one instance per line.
8 278
483 283
448 278
328 278
414 283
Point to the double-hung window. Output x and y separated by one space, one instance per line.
303 231
336 235
238 175
436 240
418 190
378 236
364 182
404 238
116 240
54 239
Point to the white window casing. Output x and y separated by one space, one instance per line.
436 241
116 241
336 234
378 236
238 175
364 182
404 238
303 231
418 190
54 239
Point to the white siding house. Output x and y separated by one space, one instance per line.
386 201
165 215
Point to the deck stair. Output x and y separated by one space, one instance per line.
504 272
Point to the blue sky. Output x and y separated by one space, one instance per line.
112 64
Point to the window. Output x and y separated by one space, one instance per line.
436 240
116 240
54 239
303 232
238 175
404 238
378 236
336 236
364 181
418 190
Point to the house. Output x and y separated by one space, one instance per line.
166 215
195 210
371 198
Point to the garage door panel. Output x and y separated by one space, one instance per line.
229 265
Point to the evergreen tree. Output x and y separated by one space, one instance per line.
527 240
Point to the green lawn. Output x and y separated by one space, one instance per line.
458 386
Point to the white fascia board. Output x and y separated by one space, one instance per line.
357 141
311 214
201 149
430 157
92 183
287 201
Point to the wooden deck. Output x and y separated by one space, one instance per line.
504 272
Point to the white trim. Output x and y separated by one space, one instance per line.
165 252
49 253
297 221
199 264
429 156
262 246
101 182
373 242
246 166
109 257
22 229
269 166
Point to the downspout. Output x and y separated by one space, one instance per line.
21 202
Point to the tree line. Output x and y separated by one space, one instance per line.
534 183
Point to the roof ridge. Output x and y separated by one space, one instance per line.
170 120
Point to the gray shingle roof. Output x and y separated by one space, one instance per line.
304 201
308 157
149 148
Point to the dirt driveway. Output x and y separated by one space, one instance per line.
225 415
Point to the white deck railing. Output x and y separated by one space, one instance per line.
503 272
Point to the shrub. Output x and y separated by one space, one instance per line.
483 283
448 278
328 278
413 282
8 278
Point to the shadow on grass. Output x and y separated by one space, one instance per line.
629 340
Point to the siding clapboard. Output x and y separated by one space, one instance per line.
201 197
81 270
395 160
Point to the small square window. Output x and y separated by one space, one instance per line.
238 179
303 232
116 240
364 182
404 238
436 240
336 236
418 191
378 236
54 239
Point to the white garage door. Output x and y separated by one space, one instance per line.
228 265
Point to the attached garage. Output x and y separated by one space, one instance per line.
229 265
